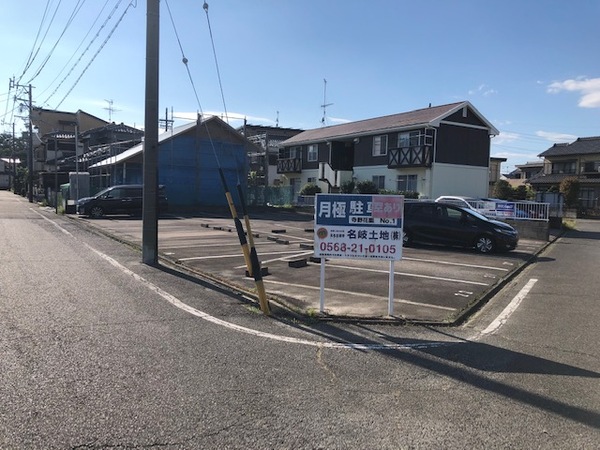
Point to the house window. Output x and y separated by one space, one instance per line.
380 145
410 139
406 183
289 153
564 167
313 153
379 181
312 180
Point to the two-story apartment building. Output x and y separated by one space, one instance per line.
439 150
580 159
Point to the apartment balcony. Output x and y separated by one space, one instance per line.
291 165
409 157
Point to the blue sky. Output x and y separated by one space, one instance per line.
530 67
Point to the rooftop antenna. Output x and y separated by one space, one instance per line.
325 104
277 120
110 109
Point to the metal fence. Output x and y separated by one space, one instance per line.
521 210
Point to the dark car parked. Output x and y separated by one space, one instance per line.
122 199
441 223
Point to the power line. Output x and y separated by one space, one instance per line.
97 52
78 7
75 52
32 58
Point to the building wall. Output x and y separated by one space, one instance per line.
462 146
450 179
190 171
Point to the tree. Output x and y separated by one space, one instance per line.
21 144
569 188
520 192
503 190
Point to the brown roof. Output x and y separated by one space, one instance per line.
421 117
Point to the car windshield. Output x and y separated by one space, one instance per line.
102 192
476 214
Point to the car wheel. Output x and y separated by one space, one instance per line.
406 239
484 244
96 212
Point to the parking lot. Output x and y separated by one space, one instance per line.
431 284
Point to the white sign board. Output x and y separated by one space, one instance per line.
359 226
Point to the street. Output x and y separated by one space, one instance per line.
101 351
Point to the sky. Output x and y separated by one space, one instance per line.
531 68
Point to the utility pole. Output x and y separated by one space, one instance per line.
30 154
30 150
13 171
150 164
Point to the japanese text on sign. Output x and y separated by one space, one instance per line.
359 226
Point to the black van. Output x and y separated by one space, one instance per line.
123 199
446 224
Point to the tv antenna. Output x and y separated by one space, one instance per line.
325 104
110 109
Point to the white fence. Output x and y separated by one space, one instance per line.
522 210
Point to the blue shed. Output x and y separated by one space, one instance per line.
189 157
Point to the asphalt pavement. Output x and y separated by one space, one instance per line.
431 285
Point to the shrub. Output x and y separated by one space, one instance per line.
347 187
366 187
310 189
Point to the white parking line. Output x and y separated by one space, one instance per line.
511 308
451 280
359 294
449 263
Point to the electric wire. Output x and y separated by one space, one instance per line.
212 41
76 10
41 43
84 51
97 52
75 52
29 58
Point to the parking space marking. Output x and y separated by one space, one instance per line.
234 255
450 263
511 308
359 294
451 280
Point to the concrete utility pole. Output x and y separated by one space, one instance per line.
30 154
150 169
30 149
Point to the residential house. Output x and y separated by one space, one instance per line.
54 145
579 159
7 170
263 163
439 150
190 158
524 172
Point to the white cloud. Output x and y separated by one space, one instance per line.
587 88
556 137
484 90
506 137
